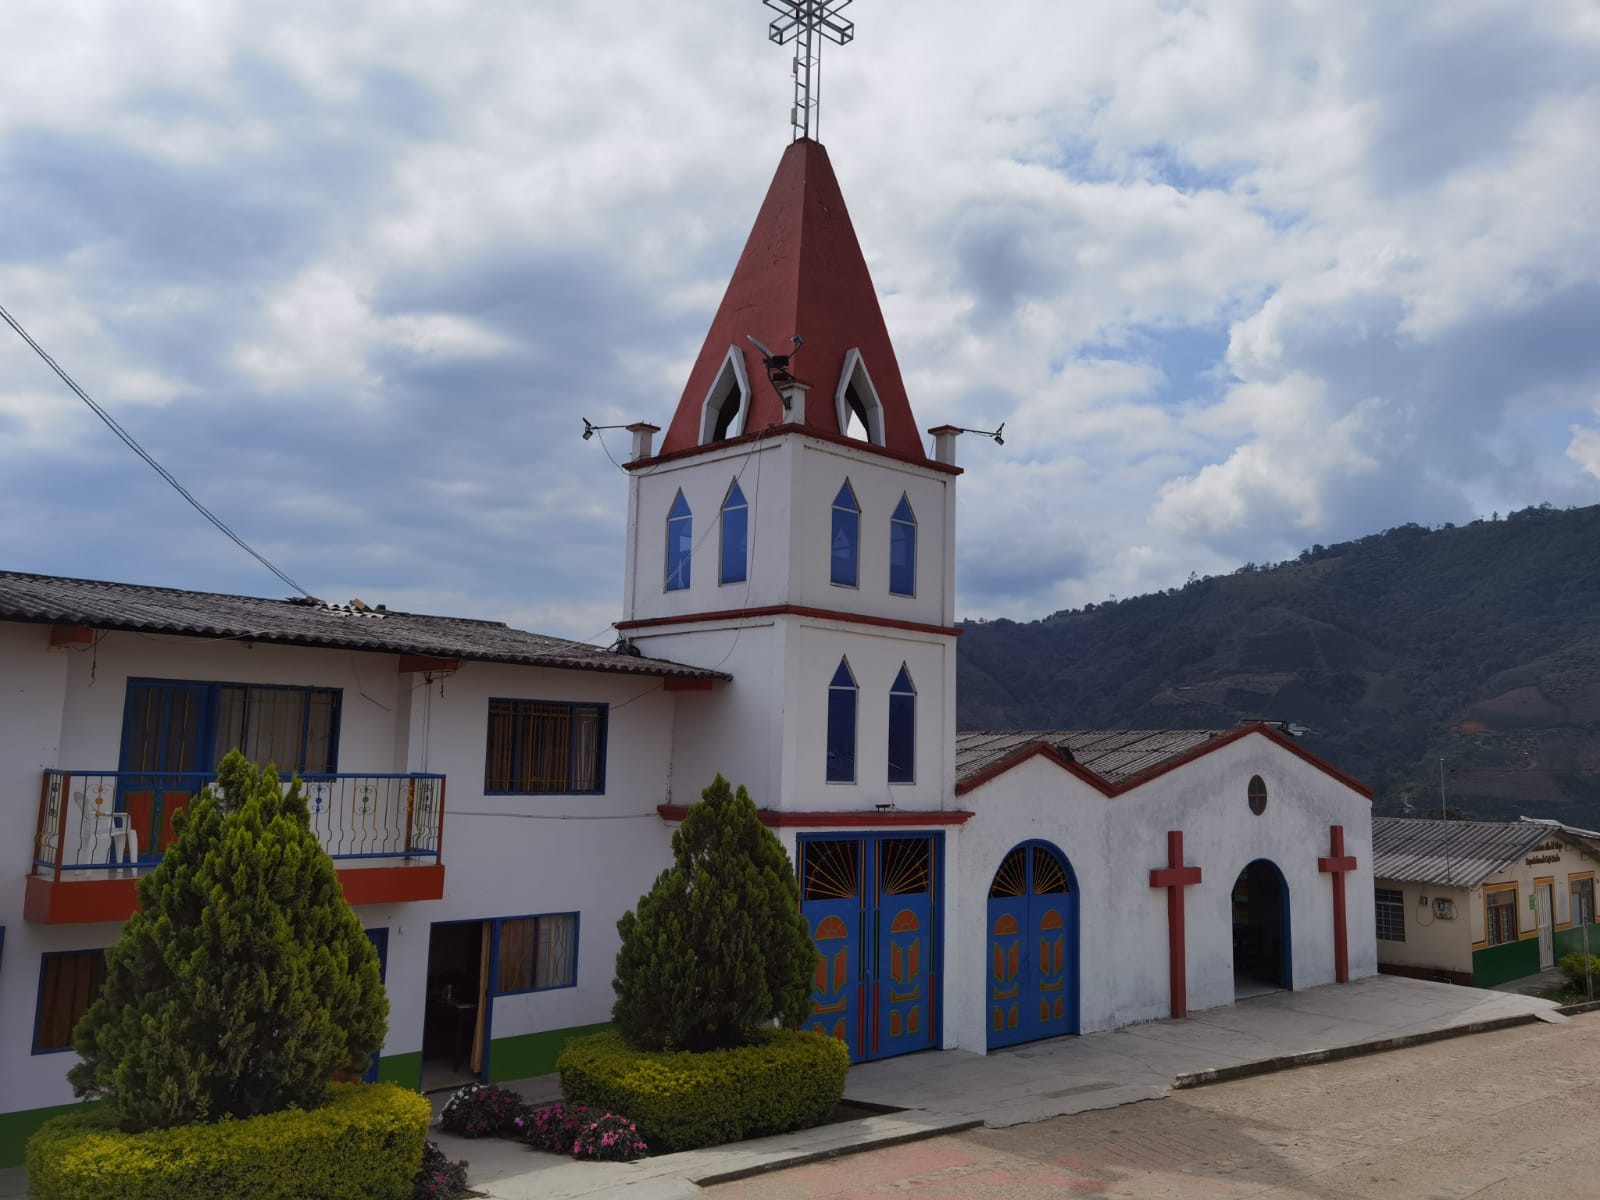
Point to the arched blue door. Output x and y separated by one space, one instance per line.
1032 967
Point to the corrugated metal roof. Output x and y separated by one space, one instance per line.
123 606
1113 754
1458 853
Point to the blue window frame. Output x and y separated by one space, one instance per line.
175 725
69 982
534 954
680 543
846 542
545 747
735 536
842 725
903 549
903 729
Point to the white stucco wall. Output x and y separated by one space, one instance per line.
1112 844
1432 942
504 855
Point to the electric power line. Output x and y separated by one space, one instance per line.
132 444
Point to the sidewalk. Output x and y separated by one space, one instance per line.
946 1091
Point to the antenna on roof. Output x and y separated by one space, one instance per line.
988 433
590 430
806 23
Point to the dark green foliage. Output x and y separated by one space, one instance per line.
364 1144
244 983
784 1079
1475 644
439 1177
718 945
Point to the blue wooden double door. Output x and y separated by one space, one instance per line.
873 905
1031 982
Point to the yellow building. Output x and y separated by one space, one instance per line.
1480 902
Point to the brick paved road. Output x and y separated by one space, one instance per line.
1493 1117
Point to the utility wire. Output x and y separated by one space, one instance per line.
132 444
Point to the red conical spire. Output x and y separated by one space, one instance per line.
802 272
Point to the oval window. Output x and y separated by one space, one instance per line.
1258 795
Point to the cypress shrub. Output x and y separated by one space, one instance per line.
244 982
718 946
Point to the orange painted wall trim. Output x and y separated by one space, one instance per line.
78 901
388 885
851 819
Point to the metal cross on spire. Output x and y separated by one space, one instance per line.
806 23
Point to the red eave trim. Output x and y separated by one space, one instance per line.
851 819
792 610
1106 788
71 635
410 663
673 684
822 435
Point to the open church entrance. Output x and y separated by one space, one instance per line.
872 902
1261 947
1033 947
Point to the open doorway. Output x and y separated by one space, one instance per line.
453 1024
1261 947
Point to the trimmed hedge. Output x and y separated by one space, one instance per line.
784 1079
364 1144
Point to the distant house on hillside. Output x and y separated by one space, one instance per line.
1480 902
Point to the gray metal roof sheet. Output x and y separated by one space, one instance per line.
1114 755
1458 853
125 606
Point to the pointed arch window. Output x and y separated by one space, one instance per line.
903 729
727 404
842 725
735 537
855 401
680 542
903 549
846 541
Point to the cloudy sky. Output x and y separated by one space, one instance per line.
1238 276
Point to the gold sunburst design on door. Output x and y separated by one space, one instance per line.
833 870
1048 876
1012 877
903 866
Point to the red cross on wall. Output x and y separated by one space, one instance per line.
1337 864
1175 877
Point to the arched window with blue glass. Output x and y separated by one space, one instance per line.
903 549
903 729
735 536
680 543
846 541
842 725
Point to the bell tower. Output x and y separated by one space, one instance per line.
792 531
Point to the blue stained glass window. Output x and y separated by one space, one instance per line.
902 729
903 550
842 726
846 538
680 541
735 536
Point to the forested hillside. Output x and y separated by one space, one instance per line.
1477 644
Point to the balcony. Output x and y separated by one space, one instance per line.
100 831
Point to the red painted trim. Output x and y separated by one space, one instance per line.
1175 877
71 635
84 901
673 684
79 901
413 663
845 819
1022 753
792 610
822 435
388 885
1336 864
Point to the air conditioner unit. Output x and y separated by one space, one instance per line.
1444 909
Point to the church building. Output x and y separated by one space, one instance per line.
495 800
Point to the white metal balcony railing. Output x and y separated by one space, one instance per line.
95 823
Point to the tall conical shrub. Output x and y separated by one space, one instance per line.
244 982
718 946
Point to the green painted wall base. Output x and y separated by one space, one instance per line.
1570 941
1496 964
531 1054
404 1069
17 1127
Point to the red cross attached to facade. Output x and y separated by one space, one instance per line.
1175 877
1337 864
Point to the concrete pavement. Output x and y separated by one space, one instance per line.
943 1091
